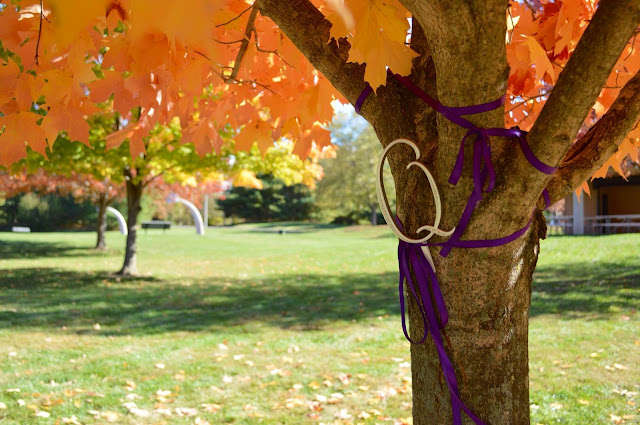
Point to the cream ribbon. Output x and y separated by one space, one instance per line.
386 209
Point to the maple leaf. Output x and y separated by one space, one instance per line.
379 42
204 136
256 131
20 129
539 59
71 120
72 17
133 135
9 73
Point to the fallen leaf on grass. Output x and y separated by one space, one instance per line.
211 408
343 414
291 403
556 406
186 411
109 416
583 402
73 420
364 415
3 405
135 410
159 365
335 398
345 378
43 414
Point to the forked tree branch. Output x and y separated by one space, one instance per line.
583 78
308 29
601 141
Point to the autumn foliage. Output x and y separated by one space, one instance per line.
220 63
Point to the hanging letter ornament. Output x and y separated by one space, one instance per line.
414 254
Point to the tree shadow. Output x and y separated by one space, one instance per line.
21 249
579 289
52 298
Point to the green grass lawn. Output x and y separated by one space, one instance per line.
248 326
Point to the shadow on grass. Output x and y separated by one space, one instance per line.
50 298
21 249
577 289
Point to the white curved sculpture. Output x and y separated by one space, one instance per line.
122 224
386 210
195 213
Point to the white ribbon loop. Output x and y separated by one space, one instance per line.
386 209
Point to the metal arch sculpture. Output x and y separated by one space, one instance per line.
122 223
195 212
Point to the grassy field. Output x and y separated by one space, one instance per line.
248 326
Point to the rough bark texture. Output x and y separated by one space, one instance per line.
134 194
463 62
101 242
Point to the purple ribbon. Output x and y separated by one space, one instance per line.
432 306
430 301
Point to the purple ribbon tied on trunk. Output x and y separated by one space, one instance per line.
414 254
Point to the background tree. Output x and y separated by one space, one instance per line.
79 188
559 63
100 168
273 201
348 188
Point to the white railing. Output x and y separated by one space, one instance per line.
596 225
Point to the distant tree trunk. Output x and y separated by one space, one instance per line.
374 214
103 203
134 194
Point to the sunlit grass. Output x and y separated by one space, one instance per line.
247 325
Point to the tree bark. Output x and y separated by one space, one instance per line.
101 243
134 194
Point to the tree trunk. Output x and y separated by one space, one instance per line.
487 293
134 193
374 214
101 243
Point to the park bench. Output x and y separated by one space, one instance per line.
20 229
156 224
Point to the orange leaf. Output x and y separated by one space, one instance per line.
20 129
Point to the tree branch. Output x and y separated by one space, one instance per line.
601 141
236 17
583 78
245 43
296 18
39 31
